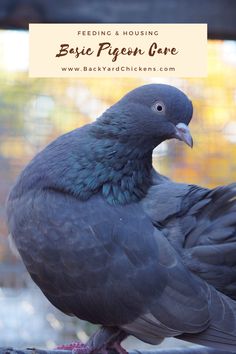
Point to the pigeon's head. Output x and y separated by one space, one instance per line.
152 114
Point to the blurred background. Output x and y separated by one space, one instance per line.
33 112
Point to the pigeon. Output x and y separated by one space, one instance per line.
111 241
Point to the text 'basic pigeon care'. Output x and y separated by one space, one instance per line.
106 48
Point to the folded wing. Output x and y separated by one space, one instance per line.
201 226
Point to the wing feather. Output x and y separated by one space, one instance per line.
202 227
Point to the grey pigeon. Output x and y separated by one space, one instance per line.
111 241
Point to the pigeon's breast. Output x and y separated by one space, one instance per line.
83 254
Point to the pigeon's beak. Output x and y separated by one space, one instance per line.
182 133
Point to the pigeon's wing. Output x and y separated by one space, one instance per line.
210 248
201 225
106 264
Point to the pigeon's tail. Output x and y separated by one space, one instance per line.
221 333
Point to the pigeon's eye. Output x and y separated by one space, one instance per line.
159 107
